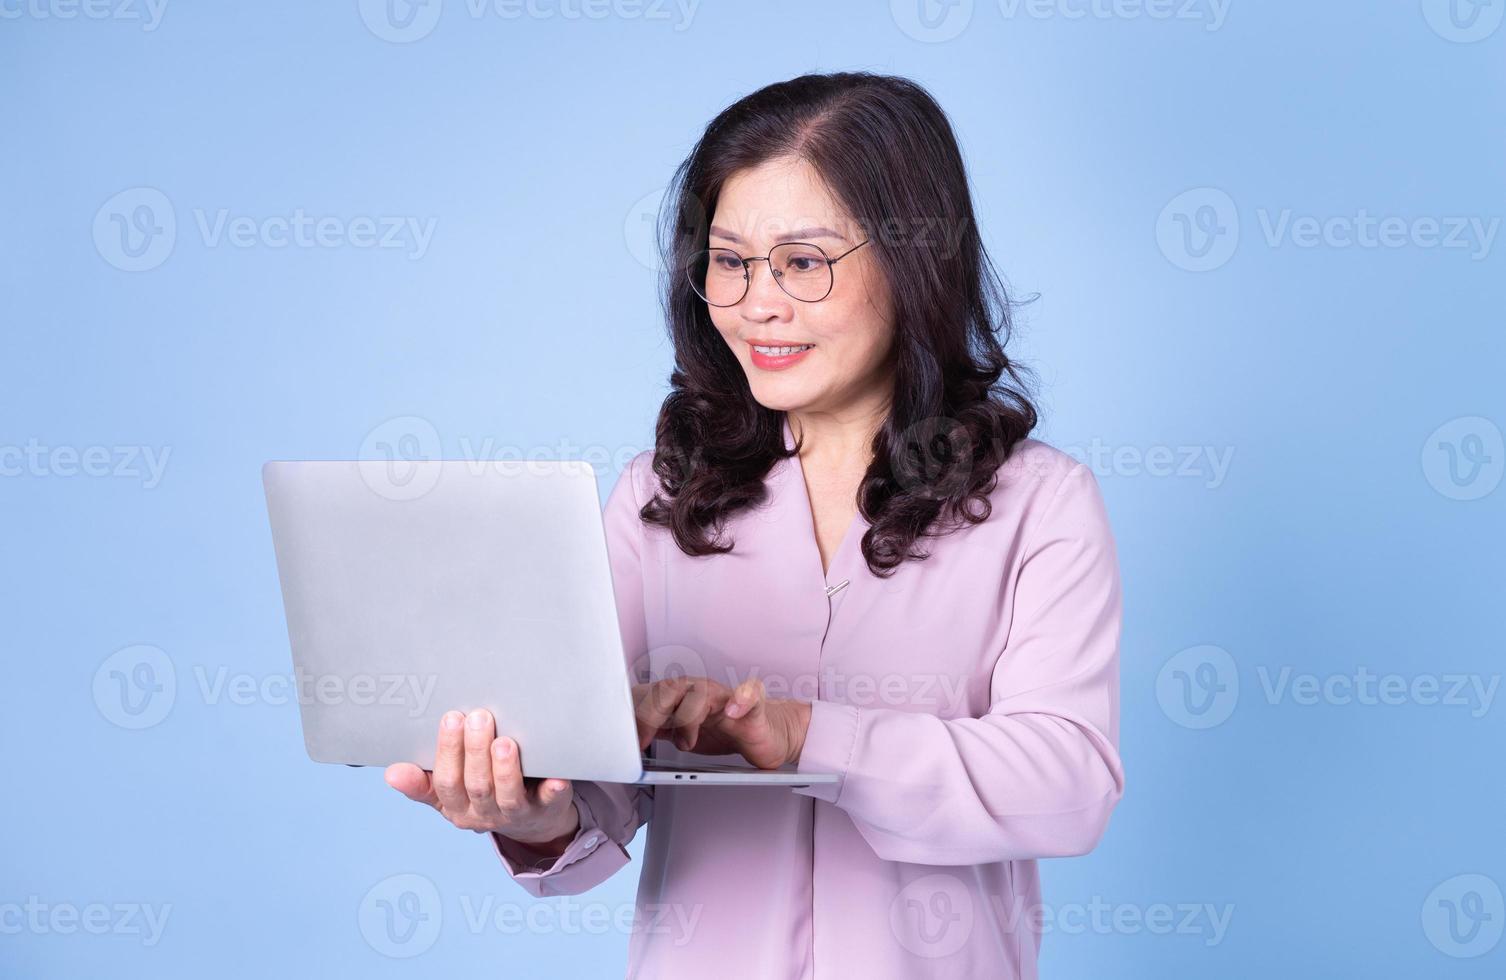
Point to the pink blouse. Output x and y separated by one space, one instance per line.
969 703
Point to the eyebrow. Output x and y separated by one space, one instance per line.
804 234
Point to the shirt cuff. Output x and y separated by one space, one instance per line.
591 858
829 743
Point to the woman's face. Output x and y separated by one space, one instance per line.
851 329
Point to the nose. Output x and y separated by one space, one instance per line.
764 299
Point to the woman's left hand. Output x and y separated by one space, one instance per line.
702 715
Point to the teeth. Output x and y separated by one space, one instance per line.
779 351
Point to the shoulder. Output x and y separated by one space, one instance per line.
637 482
1055 503
639 474
1038 469
1042 491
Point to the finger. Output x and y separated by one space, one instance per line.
412 782
704 697
507 776
555 793
480 732
746 701
656 705
660 697
449 762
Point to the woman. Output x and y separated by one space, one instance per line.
839 393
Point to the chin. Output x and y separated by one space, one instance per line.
778 398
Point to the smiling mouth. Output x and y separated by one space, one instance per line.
780 350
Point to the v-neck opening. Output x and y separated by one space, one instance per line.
798 471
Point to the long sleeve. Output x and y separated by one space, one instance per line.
1038 774
610 813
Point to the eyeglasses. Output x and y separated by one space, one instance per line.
720 276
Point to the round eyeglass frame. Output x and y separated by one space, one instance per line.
748 274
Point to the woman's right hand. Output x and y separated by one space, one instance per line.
477 784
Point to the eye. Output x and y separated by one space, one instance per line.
723 262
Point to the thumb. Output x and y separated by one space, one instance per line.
412 782
747 701
555 792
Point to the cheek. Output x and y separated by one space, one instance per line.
861 329
725 327
863 319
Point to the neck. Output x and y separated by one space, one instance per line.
837 438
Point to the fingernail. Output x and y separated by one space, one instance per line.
476 720
452 720
502 747
735 709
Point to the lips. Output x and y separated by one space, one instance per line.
774 342
777 362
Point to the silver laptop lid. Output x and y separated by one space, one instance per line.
452 585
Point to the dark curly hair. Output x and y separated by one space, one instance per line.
887 152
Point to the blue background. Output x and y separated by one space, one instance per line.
1336 541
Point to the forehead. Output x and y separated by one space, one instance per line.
762 203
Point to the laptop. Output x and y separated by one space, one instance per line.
412 588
